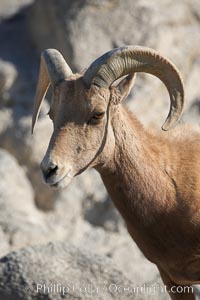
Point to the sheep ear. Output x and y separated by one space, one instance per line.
121 91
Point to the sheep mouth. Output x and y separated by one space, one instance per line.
60 182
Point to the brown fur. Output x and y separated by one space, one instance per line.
152 177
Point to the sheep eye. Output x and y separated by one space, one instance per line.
98 116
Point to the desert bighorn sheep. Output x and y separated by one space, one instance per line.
153 178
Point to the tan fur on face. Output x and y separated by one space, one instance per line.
84 145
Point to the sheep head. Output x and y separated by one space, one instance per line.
83 105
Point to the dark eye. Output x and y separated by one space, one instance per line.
96 118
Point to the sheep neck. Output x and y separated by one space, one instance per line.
136 176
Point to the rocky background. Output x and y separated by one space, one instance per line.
89 242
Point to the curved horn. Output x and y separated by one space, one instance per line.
129 59
53 68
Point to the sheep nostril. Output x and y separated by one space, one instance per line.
51 171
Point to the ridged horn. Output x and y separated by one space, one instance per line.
53 68
131 59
